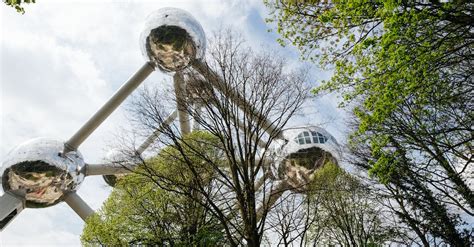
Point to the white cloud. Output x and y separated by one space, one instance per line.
46 87
49 86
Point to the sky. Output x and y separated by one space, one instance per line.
61 61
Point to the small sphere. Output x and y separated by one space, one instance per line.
172 38
115 157
39 168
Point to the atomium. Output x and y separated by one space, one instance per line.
43 172
172 39
39 169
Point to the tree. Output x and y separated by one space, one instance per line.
244 99
290 220
140 213
337 209
346 212
17 4
406 69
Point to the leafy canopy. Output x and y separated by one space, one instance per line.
142 212
405 68
345 213
384 53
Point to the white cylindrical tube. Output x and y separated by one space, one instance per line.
122 93
78 205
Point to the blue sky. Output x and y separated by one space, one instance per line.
61 61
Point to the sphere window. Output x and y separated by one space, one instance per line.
306 137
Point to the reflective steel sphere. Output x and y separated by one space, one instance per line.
39 168
172 38
307 150
112 180
115 157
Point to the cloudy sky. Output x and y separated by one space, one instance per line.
61 61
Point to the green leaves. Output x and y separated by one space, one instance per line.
345 213
156 205
405 68
17 4
380 62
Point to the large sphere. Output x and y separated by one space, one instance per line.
308 149
172 38
39 168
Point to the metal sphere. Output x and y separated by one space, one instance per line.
115 156
307 150
39 169
172 38
112 180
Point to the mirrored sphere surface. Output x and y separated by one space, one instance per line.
38 168
115 157
308 149
303 138
171 39
112 180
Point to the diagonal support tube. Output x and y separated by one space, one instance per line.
78 205
112 169
157 132
122 93
259 142
238 99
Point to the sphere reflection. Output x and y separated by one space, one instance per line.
172 38
39 169
308 149
116 157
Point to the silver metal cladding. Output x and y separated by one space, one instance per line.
171 39
40 169
307 150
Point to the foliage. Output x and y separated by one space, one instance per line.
190 160
383 50
138 212
406 67
17 4
344 210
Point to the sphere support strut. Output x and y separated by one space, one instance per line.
122 93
